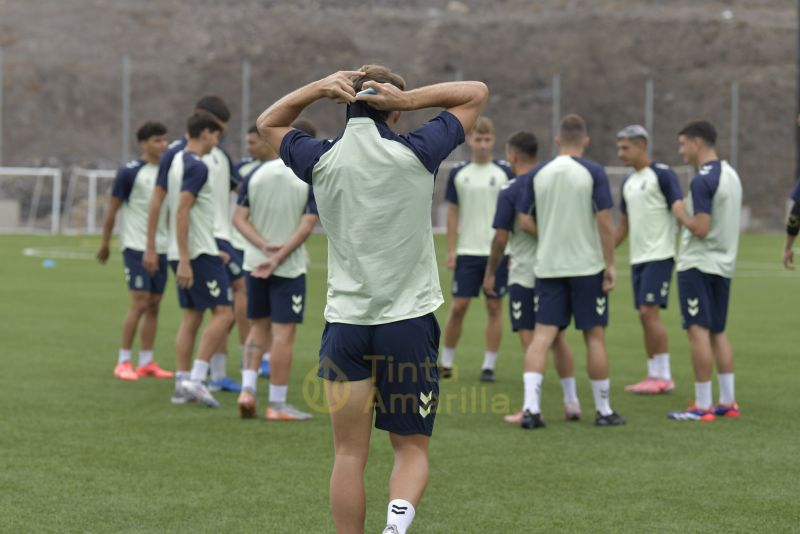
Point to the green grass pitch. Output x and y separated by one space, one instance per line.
83 452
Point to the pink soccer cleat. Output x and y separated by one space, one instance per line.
124 371
650 386
514 418
154 371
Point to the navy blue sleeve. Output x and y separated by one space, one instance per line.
433 141
163 169
234 179
526 201
194 177
795 194
506 169
300 152
506 213
669 184
311 207
623 207
450 193
123 182
243 199
601 192
703 190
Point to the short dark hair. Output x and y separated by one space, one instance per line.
150 129
572 129
525 143
253 129
701 129
305 125
199 122
214 105
380 74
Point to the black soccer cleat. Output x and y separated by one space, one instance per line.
612 419
445 372
532 420
487 375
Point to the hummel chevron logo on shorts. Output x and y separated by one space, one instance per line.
213 288
693 306
425 404
297 303
516 309
601 305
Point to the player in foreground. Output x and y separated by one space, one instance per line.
472 190
374 191
707 258
649 197
131 191
276 214
194 257
521 150
567 203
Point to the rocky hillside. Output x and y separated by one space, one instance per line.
62 68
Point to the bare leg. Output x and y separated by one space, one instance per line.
702 358
455 320
596 355
257 343
184 340
562 357
217 329
536 354
410 471
135 311
150 322
240 309
281 359
525 337
494 324
352 425
655 333
723 352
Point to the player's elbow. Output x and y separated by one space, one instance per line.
480 92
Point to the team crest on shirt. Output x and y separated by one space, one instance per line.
492 181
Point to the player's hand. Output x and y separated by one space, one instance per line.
270 249
184 275
150 261
488 285
389 97
451 261
103 253
339 86
788 259
226 258
265 268
609 279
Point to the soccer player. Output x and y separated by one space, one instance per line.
521 150
276 213
131 191
374 191
567 203
706 261
792 228
472 190
648 198
194 257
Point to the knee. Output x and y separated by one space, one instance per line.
140 305
153 305
459 309
648 315
494 309
224 314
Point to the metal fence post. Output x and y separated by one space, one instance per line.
648 114
126 107
245 106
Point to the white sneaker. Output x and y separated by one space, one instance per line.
390 529
572 411
199 392
180 396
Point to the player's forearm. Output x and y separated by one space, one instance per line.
108 223
527 223
621 232
499 242
153 215
242 223
298 237
285 111
605 227
446 95
452 228
182 232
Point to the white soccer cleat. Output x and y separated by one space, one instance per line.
199 392
390 529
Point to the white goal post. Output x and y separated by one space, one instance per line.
30 199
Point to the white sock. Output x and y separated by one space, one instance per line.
533 391
602 391
489 360
180 376
249 379
218 365
277 394
199 370
400 514
702 395
725 381
145 357
652 367
265 357
570 389
448 356
124 356
662 366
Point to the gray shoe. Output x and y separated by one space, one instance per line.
390 529
180 396
282 411
199 392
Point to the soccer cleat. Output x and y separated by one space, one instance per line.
572 410
285 412
513 418
225 384
666 385
390 529
263 369
612 419
154 371
692 413
649 386
247 403
124 371
727 410
199 392
445 372
180 396
531 420
487 375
